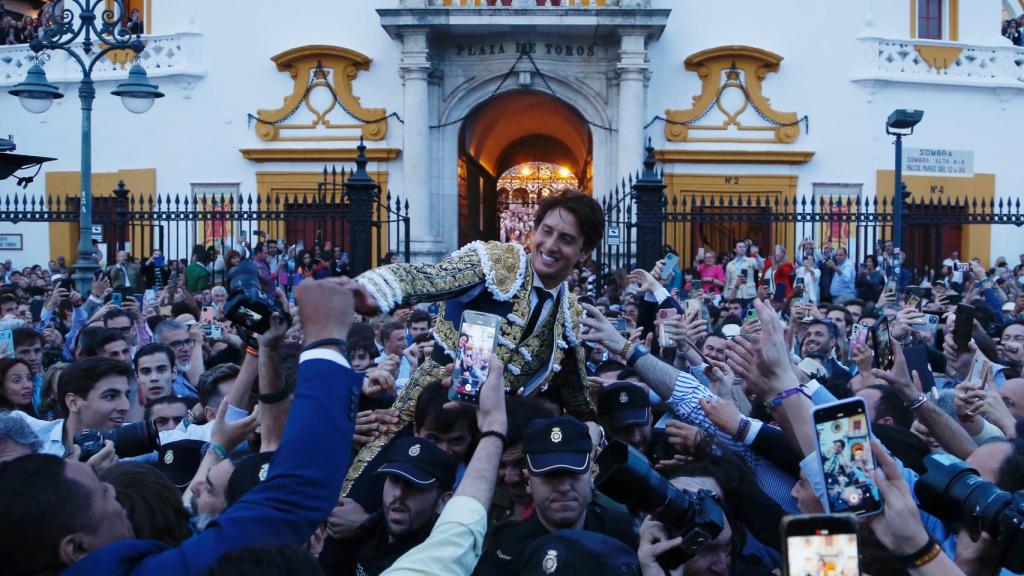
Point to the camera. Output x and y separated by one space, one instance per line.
248 306
129 440
954 492
626 476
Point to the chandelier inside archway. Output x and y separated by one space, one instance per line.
520 188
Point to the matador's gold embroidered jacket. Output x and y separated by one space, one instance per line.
496 278
485 277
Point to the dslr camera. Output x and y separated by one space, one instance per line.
954 492
129 440
248 305
626 476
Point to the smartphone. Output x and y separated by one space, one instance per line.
670 265
820 544
743 274
692 305
981 369
138 299
858 335
696 286
207 315
116 298
917 360
799 281
882 342
931 323
216 331
621 325
36 306
963 326
844 451
477 336
962 267
6 343
666 315
751 313
954 299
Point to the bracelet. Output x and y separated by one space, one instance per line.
625 350
775 402
219 451
326 342
274 397
741 432
495 434
637 353
251 351
916 402
930 551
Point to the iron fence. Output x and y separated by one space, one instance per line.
347 210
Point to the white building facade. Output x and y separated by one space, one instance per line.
784 98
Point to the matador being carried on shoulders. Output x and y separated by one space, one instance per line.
540 348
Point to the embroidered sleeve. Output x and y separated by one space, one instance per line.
501 266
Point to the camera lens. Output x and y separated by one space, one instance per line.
134 439
954 492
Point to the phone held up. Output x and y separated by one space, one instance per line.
477 337
844 450
670 265
882 341
820 544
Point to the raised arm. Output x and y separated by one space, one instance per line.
304 478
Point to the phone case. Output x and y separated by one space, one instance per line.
848 462
473 355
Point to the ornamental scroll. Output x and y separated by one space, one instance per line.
731 106
321 101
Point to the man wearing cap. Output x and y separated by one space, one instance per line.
558 459
625 413
419 477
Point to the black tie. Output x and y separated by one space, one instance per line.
531 323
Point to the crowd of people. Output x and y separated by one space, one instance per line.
1011 29
18 28
145 430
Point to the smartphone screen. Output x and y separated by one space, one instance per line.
6 344
821 544
844 451
116 298
697 285
477 337
884 358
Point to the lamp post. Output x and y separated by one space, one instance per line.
98 34
900 123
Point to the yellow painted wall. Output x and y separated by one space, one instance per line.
977 238
64 236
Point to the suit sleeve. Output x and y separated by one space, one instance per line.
304 478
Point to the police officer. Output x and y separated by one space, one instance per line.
624 410
558 460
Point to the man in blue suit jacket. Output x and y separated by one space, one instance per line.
58 516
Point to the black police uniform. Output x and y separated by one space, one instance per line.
504 553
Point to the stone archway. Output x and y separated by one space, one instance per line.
582 111
511 129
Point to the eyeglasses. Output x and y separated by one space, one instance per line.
181 343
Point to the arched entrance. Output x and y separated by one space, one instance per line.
519 130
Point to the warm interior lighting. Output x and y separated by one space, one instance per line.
564 172
526 170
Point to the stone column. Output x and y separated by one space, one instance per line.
414 69
632 68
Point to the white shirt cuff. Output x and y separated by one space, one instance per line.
755 427
661 294
234 414
324 354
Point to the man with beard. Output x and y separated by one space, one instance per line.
419 480
819 343
558 459
187 346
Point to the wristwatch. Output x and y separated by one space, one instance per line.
916 402
639 351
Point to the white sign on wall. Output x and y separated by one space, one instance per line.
11 242
938 162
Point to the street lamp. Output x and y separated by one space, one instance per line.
900 123
36 94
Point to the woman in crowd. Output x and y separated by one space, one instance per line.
712 275
16 376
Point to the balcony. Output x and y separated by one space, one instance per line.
164 56
943 63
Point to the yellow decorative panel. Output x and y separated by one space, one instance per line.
737 72
321 67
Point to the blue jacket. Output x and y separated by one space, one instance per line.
301 489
